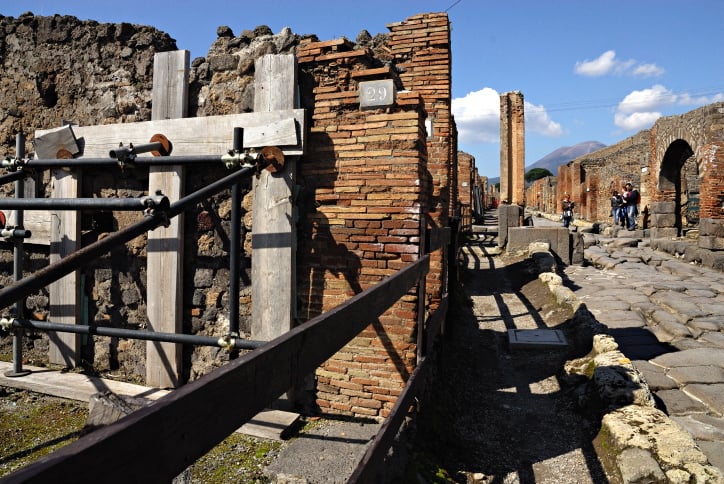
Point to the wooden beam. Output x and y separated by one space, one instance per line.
273 241
210 135
48 145
65 292
164 286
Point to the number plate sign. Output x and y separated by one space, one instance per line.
376 94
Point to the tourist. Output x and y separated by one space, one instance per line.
617 208
631 200
567 206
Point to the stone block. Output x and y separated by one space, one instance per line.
711 226
663 207
638 465
711 242
508 216
559 239
663 220
664 232
578 247
713 259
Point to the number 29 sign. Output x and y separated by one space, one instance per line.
376 94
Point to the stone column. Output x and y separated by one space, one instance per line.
512 148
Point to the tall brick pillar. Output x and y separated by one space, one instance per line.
512 148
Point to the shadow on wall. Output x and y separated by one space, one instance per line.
319 251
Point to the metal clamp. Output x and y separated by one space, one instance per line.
157 205
15 233
6 324
228 342
12 163
244 159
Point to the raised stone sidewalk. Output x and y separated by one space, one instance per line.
667 317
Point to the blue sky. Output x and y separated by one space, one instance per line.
589 70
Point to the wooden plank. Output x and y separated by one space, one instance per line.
211 135
188 418
51 141
273 239
164 286
37 221
73 386
65 292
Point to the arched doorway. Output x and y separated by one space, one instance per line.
679 182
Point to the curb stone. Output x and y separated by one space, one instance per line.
648 444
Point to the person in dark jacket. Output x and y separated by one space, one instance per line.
617 211
631 200
567 206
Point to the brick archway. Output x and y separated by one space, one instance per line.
678 182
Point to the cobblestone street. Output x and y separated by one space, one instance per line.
667 316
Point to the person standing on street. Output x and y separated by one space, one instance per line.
617 208
631 200
567 206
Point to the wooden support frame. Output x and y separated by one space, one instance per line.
274 243
164 287
213 135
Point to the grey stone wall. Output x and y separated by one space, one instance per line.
60 68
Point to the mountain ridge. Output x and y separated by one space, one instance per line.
560 156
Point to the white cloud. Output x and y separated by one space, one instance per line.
635 121
538 121
477 115
640 109
650 99
686 99
647 70
607 63
604 64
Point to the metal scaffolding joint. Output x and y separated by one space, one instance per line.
15 233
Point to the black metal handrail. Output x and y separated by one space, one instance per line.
188 416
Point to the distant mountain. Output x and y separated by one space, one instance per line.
561 156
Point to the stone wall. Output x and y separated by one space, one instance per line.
685 145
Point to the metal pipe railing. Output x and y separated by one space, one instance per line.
235 242
18 262
74 261
13 176
100 162
117 204
221 342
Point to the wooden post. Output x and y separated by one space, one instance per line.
273 267
65 293
164 287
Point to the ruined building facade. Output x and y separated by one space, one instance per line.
372 185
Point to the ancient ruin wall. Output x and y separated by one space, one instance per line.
374 180
110 81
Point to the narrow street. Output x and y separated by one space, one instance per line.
502 415
506 415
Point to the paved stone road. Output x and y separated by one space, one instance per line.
668 318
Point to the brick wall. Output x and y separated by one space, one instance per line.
712 186
370 180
